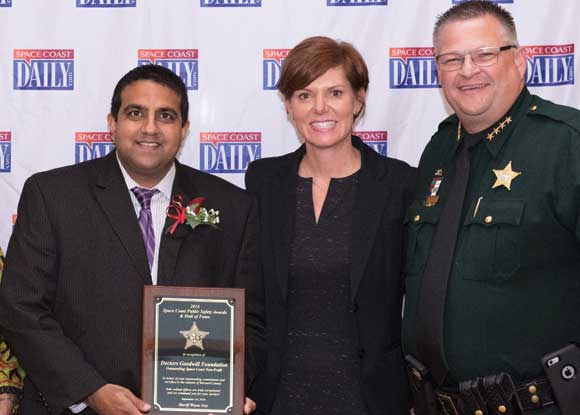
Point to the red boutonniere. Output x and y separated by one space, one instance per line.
194 213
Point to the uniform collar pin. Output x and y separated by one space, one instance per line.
499 128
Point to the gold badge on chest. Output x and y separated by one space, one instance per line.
505 176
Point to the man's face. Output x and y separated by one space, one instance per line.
480 95
148 131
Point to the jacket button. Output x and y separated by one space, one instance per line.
354 308
361 352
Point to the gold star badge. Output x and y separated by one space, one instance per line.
194 337
504 177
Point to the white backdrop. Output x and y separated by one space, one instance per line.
60 60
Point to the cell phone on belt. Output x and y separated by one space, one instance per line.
562 368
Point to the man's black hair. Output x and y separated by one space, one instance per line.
157 74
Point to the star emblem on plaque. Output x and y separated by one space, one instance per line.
505 176
194 337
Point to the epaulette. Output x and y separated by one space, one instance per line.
452 119
562 113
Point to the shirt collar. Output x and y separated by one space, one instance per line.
497 135
164 186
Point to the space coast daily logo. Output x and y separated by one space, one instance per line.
357 2
377 140
5 151
92 145
106 3
5 3
550 65
229 152
230 3
273 59
43 69
183 62
412 68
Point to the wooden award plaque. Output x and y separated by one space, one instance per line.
192 359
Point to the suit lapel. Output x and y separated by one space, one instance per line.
368 210
365 223
171 243
283 203
113 197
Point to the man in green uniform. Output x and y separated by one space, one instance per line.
493 257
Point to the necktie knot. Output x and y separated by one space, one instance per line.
144 196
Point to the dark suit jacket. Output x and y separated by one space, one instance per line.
385 190
70 299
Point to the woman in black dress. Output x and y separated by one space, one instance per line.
331 220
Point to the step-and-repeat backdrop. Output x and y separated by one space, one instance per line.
60 60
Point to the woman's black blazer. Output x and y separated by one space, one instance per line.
385 190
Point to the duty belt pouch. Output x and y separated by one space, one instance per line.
472 397
421 387
501 395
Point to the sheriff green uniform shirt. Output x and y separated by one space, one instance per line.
514 289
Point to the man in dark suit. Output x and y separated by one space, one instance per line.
90 236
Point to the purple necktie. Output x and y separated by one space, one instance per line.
145 222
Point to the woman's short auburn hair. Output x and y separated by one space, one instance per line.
314 56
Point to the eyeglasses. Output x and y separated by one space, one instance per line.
481 57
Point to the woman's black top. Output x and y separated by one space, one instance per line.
321 372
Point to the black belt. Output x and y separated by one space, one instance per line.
532 395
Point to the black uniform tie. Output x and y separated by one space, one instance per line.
431 307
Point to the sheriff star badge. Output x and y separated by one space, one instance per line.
194 337
505 176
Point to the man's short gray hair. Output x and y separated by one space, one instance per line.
473 9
